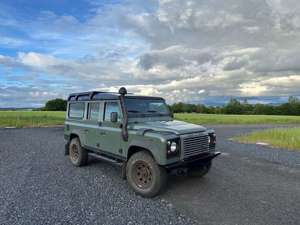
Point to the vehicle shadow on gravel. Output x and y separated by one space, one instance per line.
175 182
187 183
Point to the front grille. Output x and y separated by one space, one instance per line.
194 144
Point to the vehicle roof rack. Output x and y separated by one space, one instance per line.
102 95
92 95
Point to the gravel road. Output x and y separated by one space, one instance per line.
247 185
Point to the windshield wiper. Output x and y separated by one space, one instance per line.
133 111
157 113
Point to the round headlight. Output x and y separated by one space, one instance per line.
173 147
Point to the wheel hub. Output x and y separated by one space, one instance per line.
142 175
74 153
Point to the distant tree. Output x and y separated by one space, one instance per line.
294 106
177 107
293 100
56 105
261 109
233 107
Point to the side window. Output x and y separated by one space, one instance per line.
76 110
109 108
94 111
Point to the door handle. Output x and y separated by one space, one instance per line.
102 133
86 130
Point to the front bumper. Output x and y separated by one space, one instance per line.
194 161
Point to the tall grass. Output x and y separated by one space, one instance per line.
288 138
30 118
236 119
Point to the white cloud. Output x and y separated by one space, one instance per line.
37 60
182 50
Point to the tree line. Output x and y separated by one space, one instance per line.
234 106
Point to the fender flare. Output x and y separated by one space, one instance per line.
148 145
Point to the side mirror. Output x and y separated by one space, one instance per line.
114 117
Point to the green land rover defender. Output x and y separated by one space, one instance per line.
138 133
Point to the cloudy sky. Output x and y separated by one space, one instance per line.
189 51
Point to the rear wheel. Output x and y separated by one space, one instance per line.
144 175
200 171
78 155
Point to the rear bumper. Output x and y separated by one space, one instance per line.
197 160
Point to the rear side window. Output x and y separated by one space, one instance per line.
109 108
76 110
94 111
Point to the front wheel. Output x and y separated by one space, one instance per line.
144 175
200 171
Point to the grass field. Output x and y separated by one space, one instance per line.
236 119
40 118
30 119
279 137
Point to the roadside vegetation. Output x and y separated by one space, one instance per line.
31 118
52 118
236 119
288 138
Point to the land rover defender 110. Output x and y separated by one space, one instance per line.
139 133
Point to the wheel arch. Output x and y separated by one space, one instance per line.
71 136
135 148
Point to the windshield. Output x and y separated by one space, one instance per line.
137 107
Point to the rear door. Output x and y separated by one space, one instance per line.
111 132
92 125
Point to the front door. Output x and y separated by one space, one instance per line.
111 132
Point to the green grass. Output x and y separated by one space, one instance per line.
236 119
30 118
41 118
288 138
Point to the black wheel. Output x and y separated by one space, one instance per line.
199 171
78 155
144 175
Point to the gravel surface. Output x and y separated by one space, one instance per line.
247 185
40 186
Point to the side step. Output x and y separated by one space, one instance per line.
115 162
102 157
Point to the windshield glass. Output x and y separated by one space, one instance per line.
146 107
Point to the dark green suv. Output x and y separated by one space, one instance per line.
139 133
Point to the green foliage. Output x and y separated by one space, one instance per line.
31 118
42 118
292 107
56 105
288 138
198 118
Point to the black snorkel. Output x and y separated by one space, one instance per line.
123 92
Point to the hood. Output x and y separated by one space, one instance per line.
174 126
